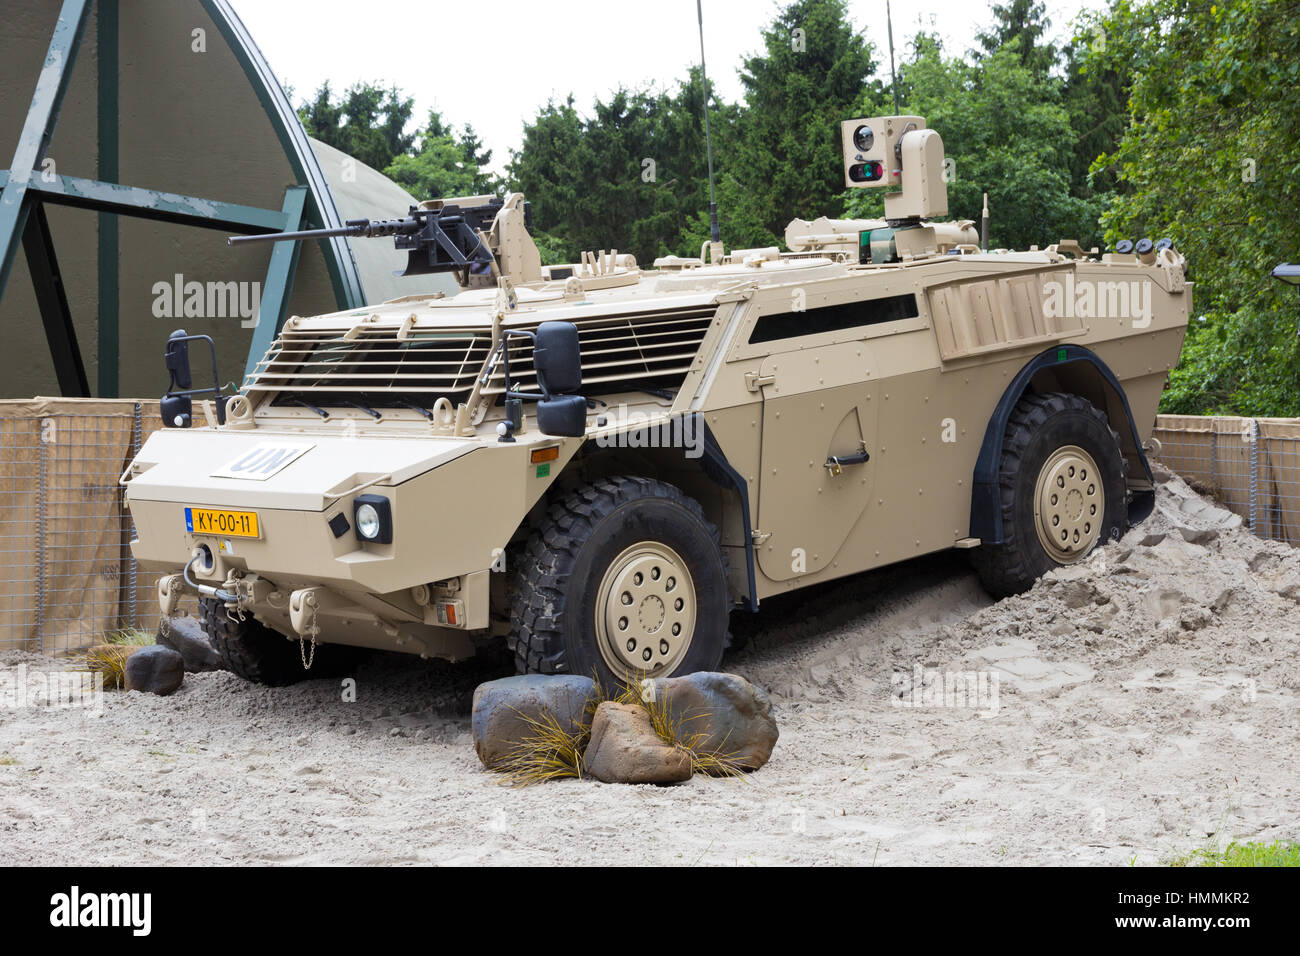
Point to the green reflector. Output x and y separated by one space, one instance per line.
1060 355
543 470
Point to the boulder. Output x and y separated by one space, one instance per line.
624 748
501 709
730 716
155 669
186 636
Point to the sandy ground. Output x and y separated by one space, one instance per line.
1145 704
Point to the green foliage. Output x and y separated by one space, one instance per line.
776 157
1277 853
1210 158
782 158
444 165
632 175
367 122
1025 23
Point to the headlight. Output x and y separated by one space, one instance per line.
373 518
368 522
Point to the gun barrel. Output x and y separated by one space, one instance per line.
354 227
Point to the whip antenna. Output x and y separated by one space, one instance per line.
714 233
893 79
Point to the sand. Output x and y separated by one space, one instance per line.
1129 709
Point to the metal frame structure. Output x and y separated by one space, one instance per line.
25 189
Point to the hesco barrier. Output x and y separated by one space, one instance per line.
1251 465
67 578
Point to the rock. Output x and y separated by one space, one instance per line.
500 707
155 669
732 717
624 748
185 636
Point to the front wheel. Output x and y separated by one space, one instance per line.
625 580
1063 487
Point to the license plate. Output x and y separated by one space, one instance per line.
236 524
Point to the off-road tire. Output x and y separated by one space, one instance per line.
555 589
1040 425
255 652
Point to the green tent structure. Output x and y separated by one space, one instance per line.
153 130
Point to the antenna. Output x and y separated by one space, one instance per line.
893 79
714 233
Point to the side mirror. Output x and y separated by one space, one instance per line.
564 416
558 359
177 359
176 406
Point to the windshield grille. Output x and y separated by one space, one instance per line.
425 365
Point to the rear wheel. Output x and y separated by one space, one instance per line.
255 652
625 580
1062 482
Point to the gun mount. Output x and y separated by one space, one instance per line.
452 235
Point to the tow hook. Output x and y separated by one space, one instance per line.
303 605
171 588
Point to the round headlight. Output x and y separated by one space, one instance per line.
368 521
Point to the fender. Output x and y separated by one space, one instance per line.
986 502
720 471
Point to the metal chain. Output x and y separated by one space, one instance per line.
302 650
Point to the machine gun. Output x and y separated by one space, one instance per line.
443 239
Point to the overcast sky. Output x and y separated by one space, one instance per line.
492 63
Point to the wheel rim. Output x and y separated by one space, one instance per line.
1069 504
645 610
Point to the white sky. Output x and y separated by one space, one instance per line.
493 63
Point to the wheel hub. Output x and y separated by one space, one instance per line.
645 610
1069 504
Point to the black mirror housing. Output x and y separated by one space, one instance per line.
564 416
177 411
177 360
557 358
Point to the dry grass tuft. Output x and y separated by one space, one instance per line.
109 658
550 752
673 730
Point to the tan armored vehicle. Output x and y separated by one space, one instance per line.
600 462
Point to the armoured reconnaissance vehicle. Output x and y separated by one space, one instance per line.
599 462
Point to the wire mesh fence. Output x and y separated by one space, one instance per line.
67 578
1251 465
